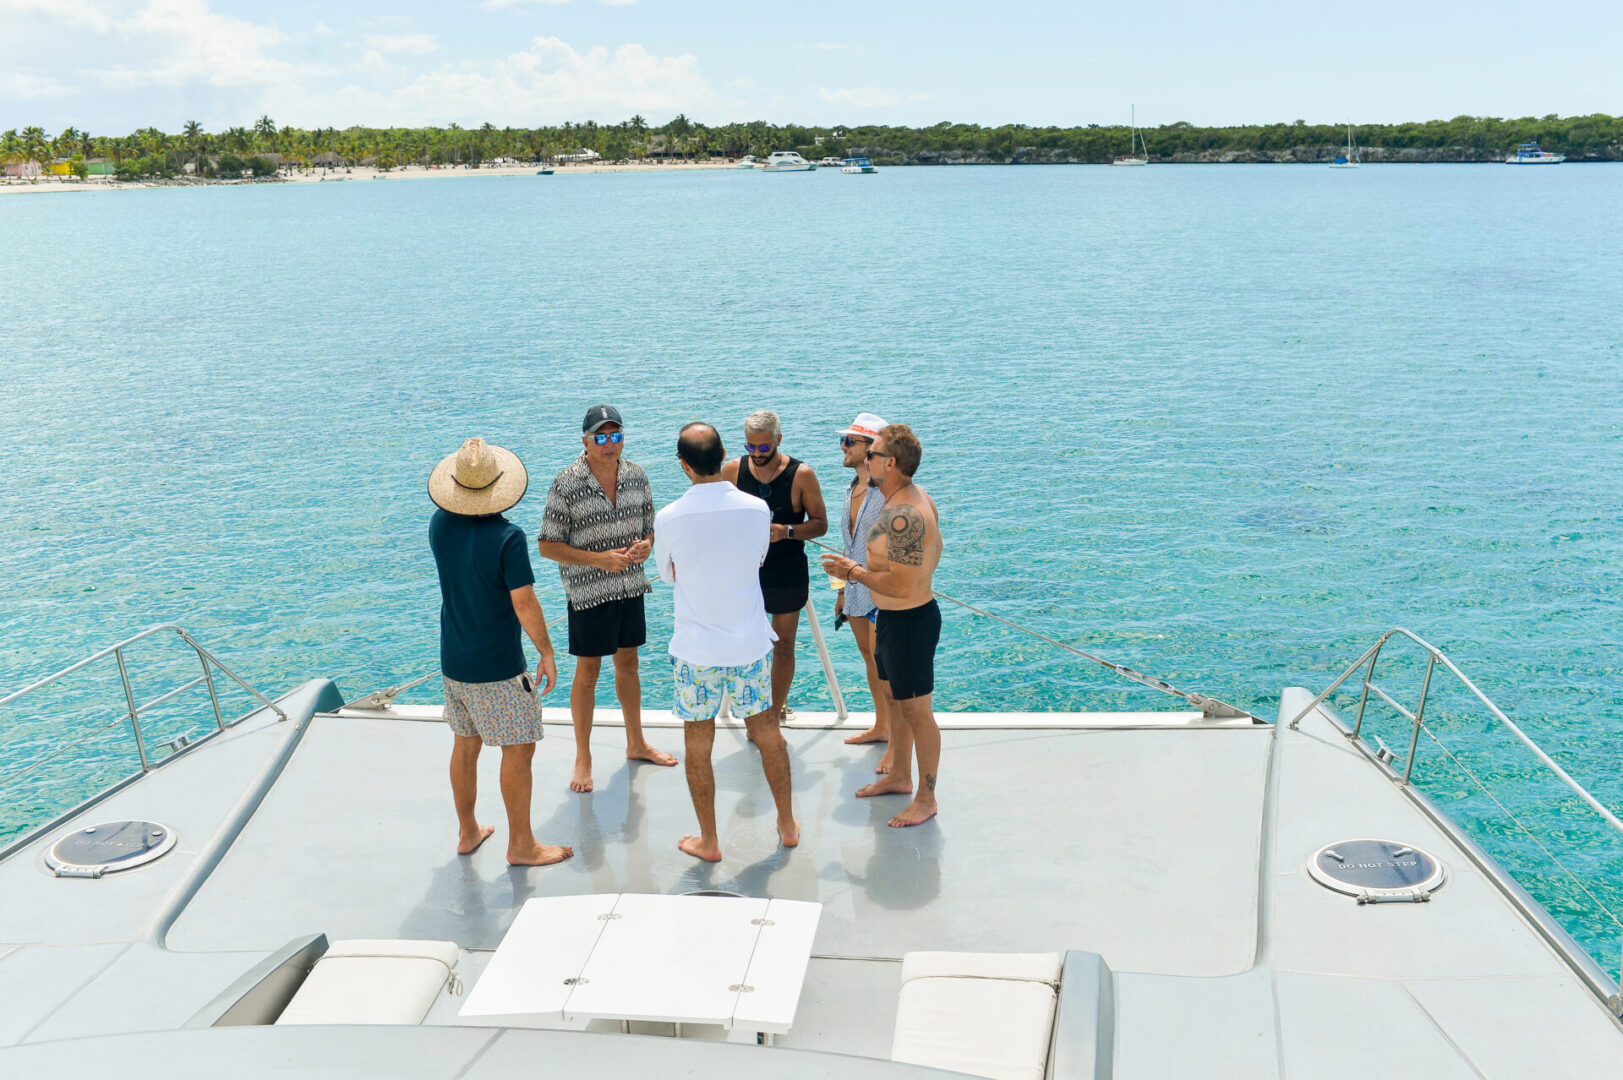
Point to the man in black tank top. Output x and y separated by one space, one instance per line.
789 488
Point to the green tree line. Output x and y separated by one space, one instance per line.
263 147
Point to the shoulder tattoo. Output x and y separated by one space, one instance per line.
904 535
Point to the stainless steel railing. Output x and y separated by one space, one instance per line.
1436 658
207 662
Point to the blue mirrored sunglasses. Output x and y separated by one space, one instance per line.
764 448
609 437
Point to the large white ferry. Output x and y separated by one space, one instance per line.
788 161
1528 153
1198 892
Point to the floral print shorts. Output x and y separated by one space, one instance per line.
504 713
701 690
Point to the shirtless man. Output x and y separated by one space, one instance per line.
790 490
903 551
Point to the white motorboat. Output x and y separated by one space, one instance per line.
747 162
1528 153
859 165
1349 158
1137 152
788 161
1108 896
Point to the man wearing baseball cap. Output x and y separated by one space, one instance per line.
858 515
487 595
599 528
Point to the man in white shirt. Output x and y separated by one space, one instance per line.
712 542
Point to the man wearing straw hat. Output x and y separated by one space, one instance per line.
487 595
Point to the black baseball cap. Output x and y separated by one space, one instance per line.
598 415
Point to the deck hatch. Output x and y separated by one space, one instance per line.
112 845
1376 870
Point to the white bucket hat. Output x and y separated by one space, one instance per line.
866 425
478 480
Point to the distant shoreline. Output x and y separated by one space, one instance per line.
418 172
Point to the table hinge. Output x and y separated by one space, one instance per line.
580 981
610 915
762 922
742 988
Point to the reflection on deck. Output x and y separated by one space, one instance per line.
1047 840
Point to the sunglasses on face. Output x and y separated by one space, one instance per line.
875 453
848 441
764 448
615 437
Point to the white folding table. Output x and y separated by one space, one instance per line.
734 961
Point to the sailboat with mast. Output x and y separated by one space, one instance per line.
1137 152
1349 157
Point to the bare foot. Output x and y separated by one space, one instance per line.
917 813
885 763
887 786
695 846
581 779
789 835
468 843
873 734
538 855
646 753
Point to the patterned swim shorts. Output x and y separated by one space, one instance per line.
701 690
504 713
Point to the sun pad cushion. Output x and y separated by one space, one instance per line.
986 1027
365 981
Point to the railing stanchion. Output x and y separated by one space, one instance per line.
135 714
214 699
828 662
1369 676
1419 716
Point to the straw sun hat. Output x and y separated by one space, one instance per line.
478 479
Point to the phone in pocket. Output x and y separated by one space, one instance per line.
529 687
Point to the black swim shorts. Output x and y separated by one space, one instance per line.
904 649
781 600
604 629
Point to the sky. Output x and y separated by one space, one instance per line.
110 66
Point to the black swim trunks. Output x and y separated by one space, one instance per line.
904 649
604 629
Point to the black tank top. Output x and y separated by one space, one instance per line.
785 560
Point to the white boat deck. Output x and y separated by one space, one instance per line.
1175 849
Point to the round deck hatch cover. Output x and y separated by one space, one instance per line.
1376 868
113 845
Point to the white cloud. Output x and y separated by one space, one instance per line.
415 44
189 43
869 97
321 29
81 13
547 82
15 84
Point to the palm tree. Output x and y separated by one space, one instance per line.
265 126
194 133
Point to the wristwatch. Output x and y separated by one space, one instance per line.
789 532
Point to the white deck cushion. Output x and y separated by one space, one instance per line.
987 1014
985 1027
1025 967
373 982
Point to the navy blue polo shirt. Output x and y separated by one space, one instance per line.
481 560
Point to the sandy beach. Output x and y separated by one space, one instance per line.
310 176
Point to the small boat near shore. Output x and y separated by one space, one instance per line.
747 162
1137 152
788 161
1528 153
858 165
1349 158
545 170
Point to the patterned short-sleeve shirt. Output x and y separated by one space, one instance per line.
579 514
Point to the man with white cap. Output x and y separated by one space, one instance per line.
487 596
858 516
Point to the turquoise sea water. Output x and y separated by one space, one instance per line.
1224 424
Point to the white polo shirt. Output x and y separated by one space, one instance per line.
711 543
